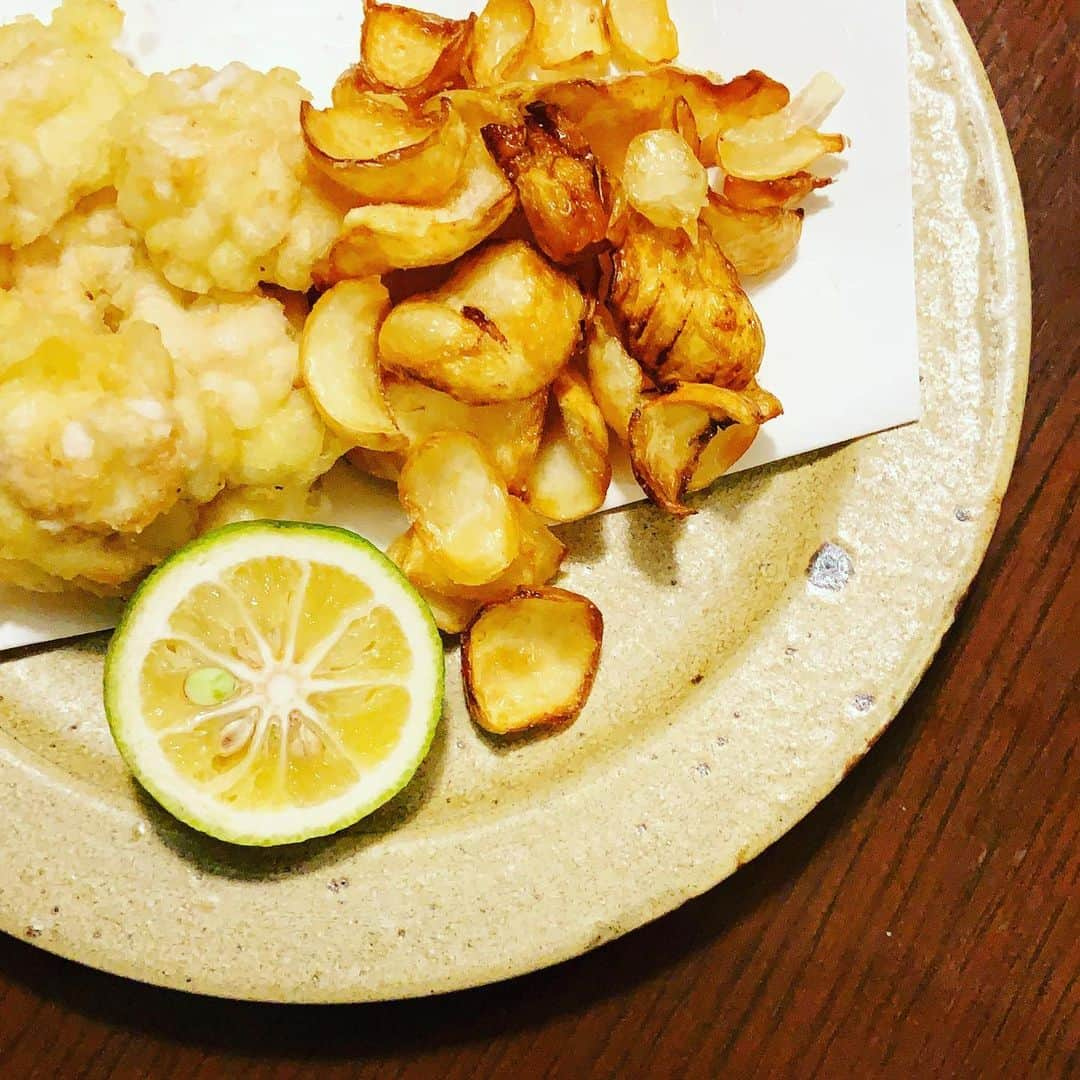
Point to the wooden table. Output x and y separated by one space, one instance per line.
924 921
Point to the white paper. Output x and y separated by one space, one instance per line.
840 319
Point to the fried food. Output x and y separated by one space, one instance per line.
530 662
392 236
570 478
538 562
501 329
643 30
214 174
457 500
383 151
753 241
411 53
684 314
499 39
510 431
664 180
167 364
611 114
785 193
566 33
93 442
557 178
234 362
341 367
686 439
785 143
61 86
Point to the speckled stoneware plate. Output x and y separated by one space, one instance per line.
752 658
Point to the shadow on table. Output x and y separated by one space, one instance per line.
329 1033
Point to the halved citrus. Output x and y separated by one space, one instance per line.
273 682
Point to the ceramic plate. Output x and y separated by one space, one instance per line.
752 657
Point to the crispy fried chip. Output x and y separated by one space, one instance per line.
643 30
341 368
684 314
510 431
499 330
615 377
383 152
611 114
538 563
451 615
410 52
670 436
785 143
557 179
499 40
572 473
754 241
785 193
530 661
456 498
665 181
568 31
389 236
729 444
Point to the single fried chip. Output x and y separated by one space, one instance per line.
643 30
455 496
787 142
341 368
754 241
572 473
557 179
670 434
411 52
729 444
785 193
684 314
511 431
569 31
499 40
389 236
451 615
615 377
538 563
384 152
501 329
530 662
665 181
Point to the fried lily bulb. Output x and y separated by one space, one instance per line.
61 86
216 177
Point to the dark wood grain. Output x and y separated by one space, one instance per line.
923 922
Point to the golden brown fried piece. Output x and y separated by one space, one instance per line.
529 662
382 151
611 114
501 329
558 180
499 40
411 53
686 439
683 313
754 241
572 472
784 193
